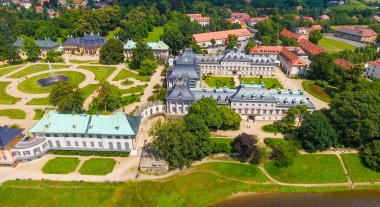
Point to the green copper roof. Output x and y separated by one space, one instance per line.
115 124
160 45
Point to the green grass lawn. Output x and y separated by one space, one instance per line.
97 166
270 83
224 140
219 82
332 45
88 90
39 101
61 165
154 36
316 91
4 71
135 89
39 113
13 113
82 61
36 68
125 73
101 72
30 85
359 173
309 169
4 97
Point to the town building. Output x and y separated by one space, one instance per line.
44 44
89 44
288 34
204 21
307 30
240 21
310 48
205 39
253 21
373 69
8 139
343 63
160 49
236 64
243 16
324 17
358 34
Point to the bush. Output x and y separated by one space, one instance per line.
261 155
271 128
371 155
90 153
283 151
245 145
321 83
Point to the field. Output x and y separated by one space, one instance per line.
316 91
309 169
97 166
332 45
129 74
4 71
270 83
226 141
154 36
61 165
13 113
101 72
220 82
359 173
36 68
30 85
4 97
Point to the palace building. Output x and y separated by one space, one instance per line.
160 49
44 44
8 139
89 44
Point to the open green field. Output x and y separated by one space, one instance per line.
132 90
4 97
97 166
101 72
359 173
61 165
309 168
224 140
39 101
4 71
154 36
36 68
219 82
184 189
316 91
13 113
270 83
30 85
332 45
125 73
88 90
82 61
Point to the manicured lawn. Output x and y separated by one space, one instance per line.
125 73
220 82
359 173
332 45
270 83
316 91
4 71
4 97
13 113
224 140
132 90
88 90
61 165
30 85
39 113
97 166
82 61
101 72
39 101
309 169
36 68
154 36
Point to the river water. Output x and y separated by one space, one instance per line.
339 199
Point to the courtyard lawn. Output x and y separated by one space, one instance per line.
61 165
359 172
316 91
309 168
82 61
270 83
97 166
125 73
30 85
39 101
36 68
101 72
155 35
4 71
133 90
88 90
13 113
332 45
219 140
219 82
4 97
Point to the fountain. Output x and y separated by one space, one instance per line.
52 79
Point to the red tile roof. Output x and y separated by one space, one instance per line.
258 19
194 15
202 19
360 31
343 63
375 62
292 58
310 48
289 34
245 16
241 21
205 37
266 49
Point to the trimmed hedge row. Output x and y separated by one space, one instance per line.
89 153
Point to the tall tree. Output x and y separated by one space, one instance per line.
139 53
31 49
371 155
208 110
147 67
108 99
244 145
112 52
66 97
197 127
231 120
315 36
231 42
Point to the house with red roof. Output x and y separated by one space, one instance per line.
220 37
200 19
288 34
358 34
373 69
343 63
324 17
240 21
291 64
244 16
254 20
310 48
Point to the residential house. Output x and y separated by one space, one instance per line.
253 21
373 69
324 17
343 63
204 21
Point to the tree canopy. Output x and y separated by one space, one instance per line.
140 53
66 97
112 52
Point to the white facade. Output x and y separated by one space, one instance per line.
373 70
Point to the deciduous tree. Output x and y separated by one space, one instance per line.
66 97
112 52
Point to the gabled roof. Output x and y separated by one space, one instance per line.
180 92
288 34
205 37
160 45
130 44
358 31
253 93
44 43
310 48
292 58
245 16
343 63
266 49
375 62
7 134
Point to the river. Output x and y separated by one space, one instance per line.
339 199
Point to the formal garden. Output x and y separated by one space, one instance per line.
319 91
13 113
219 82
61 165
5 97
270 83
97 166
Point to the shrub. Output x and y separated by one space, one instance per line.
371 155
244 145
321 83
284 154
